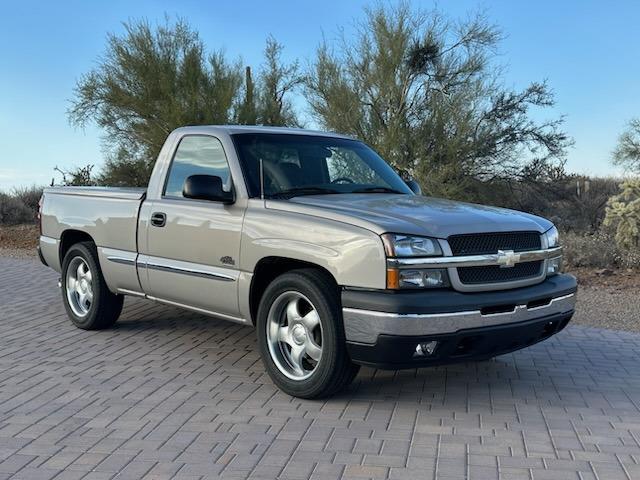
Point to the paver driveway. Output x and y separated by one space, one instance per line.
171 394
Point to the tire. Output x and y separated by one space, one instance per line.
286 324
87 299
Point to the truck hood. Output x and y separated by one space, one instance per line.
413 214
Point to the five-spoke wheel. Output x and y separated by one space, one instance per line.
294 331
300 334
79 286
87 299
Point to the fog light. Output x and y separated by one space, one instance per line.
554 266
426 349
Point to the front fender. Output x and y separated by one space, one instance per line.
353 255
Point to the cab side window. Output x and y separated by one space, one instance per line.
197 155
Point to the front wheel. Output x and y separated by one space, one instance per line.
301 337
89 303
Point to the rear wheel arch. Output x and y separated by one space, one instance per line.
71 237
270 268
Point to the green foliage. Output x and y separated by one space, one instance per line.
247 112
152 80
277 81
124 170
623 214
423 91
77 177
149 82
627 153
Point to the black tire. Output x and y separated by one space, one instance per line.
105 307
334 371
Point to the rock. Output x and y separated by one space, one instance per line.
605 272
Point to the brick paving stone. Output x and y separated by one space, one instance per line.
169 394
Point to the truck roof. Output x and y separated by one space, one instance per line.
234 129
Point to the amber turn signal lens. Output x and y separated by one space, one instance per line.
393 278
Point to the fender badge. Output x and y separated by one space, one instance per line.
227 260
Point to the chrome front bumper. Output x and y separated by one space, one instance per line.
365 321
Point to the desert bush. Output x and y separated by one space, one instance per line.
597 250
573 202
13 211
623 214
29 196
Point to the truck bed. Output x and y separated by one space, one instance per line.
108 215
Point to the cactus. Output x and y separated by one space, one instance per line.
623 215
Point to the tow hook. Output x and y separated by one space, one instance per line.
59 283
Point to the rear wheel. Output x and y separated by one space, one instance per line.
87 299
301 337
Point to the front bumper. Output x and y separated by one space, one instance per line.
383 329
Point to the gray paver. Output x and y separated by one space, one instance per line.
172 394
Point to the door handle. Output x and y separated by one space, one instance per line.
158 219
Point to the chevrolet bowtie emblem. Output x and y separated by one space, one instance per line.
508 258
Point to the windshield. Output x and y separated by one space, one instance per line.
313 165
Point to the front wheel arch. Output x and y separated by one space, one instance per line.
270 268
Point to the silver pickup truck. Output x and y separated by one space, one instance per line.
313 239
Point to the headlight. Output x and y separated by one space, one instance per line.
554 265
553 238
397 245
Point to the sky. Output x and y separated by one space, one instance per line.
588 51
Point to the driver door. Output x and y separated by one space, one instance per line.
193 246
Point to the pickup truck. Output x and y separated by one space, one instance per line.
317 242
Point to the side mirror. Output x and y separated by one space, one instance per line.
414 186
206 187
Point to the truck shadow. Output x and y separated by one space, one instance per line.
563 367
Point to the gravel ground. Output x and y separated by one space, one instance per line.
18 253
608 307
601 302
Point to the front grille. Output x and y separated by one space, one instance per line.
483 243
496 274
490 243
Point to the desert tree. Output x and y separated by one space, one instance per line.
426 92
150 80
627 152
278 80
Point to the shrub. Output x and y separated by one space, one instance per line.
30 196
13 211
597 250
623 214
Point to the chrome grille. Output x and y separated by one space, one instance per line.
496 274
482 243
491 243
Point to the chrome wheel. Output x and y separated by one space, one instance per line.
294 335
79 286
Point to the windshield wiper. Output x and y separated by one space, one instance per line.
294 192
377 190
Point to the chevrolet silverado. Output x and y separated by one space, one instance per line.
317 242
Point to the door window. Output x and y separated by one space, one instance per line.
197 155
